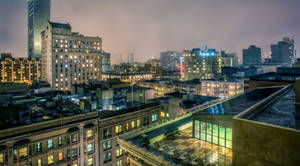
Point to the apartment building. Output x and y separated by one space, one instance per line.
69 57
84 139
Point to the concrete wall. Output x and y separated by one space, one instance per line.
259 144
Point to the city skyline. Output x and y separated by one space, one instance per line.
148 28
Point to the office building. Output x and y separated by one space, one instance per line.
229 59
155 68
38 15
283 51
222 88
105 62
68 57
170 61
130 58
252 55
200 64
19 69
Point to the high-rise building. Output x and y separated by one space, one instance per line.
19 69
252 55
68 57
105 62
130 58
229 59
170 60
38 15
283 51
200 64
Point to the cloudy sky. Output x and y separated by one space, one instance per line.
147 27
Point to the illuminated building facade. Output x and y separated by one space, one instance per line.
201 64
214 135
20 70
221 88
68 57
127 77
164 86
88 139
38 15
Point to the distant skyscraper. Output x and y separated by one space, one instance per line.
130 58
252 55
283 51
68 57
105 62
200 64
38 15
229 59
170 60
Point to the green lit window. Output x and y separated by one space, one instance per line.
154 117
196 129
222 132
229 133
215 130
208 128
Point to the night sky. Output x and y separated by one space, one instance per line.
147 27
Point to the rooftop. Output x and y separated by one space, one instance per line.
60 25
240 103
281 112
173 142
168 81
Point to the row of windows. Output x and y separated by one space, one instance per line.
76 42
213 133
129 125
78 50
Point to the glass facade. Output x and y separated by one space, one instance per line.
213 133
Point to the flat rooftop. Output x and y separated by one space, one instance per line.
281 112
180 148
240 103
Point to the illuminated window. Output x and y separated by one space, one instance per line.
118 129
90 147
127 126
106 145
50 143
138 123
74 138
1 158
23 152
89 133
119 152
39 162
162 114
154 117
90 161
120 163
50 159
132 124
60 156
59 140
38 147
